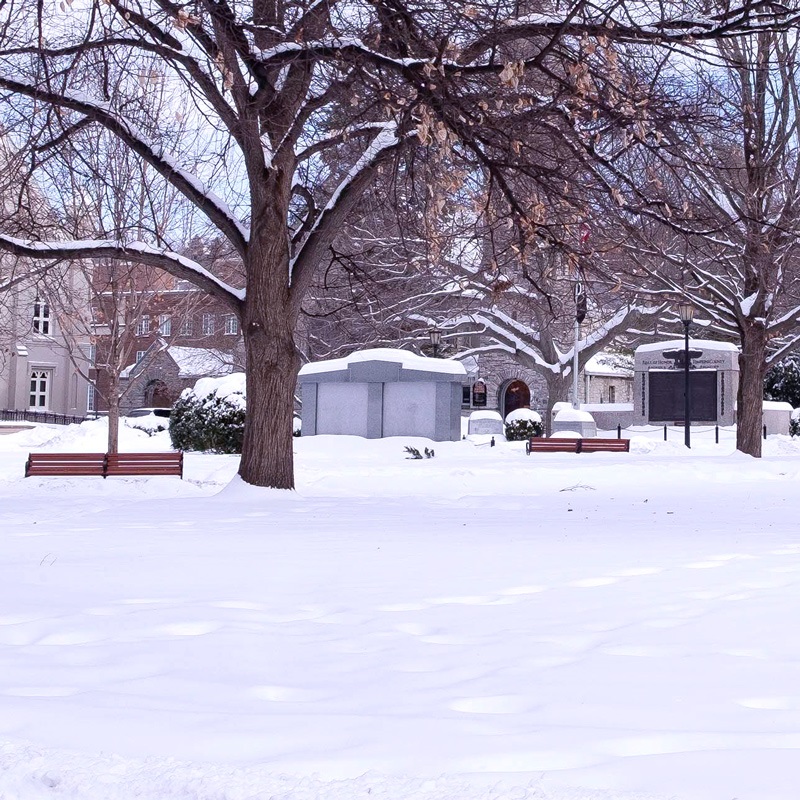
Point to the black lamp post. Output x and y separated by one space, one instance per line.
686 311
436 339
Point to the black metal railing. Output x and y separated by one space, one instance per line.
665 428
39 416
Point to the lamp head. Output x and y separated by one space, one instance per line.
436 336
686 312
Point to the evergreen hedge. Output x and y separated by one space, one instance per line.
210 424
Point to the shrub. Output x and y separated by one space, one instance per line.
782 382
523 424
522 429
210 423
794 426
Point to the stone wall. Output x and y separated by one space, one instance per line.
499 370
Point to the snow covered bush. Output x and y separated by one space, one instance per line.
523 424
782 382
209 417
794 423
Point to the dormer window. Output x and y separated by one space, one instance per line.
41 316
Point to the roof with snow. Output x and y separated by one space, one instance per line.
705 344
194 362
404 358
603 365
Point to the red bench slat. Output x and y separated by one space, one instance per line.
65 464
605 445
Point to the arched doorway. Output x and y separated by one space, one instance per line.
517 395
156 395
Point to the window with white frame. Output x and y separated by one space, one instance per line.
39 398
165 325
231 325
140 354
41 316
91 355
143 327
91 398
208 324
187 328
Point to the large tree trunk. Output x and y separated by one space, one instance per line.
750 397
558 387
267 449
113 414
268 329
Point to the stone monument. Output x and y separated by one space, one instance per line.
383 392
485 423
659 379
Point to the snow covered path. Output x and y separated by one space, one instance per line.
481 624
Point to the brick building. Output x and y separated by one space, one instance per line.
155 335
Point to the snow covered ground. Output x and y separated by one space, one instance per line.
482 625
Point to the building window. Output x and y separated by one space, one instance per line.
140 354
41 316
612 394
91 398
231 325
143 328
187 329
478 394
208 324
91 355
466 395
165 325
40 389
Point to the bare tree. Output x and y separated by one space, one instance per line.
723 211
298 106
99 189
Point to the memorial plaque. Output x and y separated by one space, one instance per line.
666 396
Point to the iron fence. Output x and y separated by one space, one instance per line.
39 416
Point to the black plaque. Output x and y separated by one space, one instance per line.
666 396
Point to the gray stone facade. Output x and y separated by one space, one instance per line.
502 376
659 379
602 381
383 392
508 383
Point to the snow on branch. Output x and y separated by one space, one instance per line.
507 332
620 24
323 230
165 163
132 252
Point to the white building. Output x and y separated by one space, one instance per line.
43 356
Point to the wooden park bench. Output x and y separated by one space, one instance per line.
542 445
65 464
170 463
104 464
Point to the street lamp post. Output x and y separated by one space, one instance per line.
580 315
436 338
686 311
